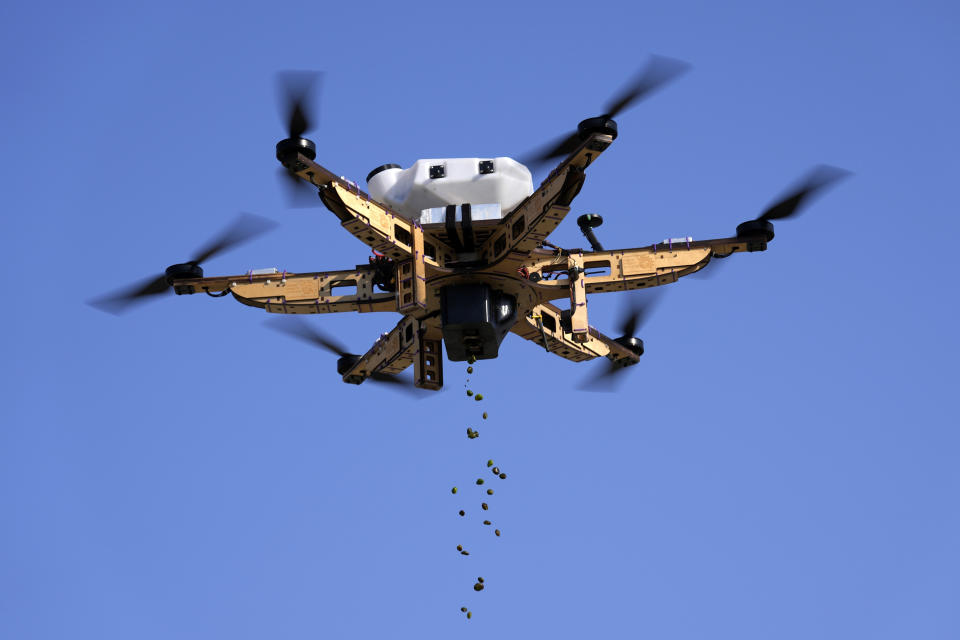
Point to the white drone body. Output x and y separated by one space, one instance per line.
493 187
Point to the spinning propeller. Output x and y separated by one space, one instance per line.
658 72
789 205
243 229
637 313
297 328
296 91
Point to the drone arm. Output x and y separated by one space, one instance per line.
529 224
548 321
322 292
382 230
630 269
410 342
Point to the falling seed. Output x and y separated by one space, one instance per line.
459 547
471 359
484 415
454 490
464 553
480 579
464 609
487 522
469 369
503 476
489 492
469 393
462 512
479 480
496 471
479 397
497 531
478 587
469 615
484 506
489 463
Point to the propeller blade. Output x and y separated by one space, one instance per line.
558 148
243 229
819 178
297 328
295 92
119 302
659 72
299 193
607 376
638 311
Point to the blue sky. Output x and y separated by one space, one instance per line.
782 462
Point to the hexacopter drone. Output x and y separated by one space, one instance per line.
461 252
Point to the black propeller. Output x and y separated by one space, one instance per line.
296 93
658 72
297 328
637 312
791 204
818 179
243 229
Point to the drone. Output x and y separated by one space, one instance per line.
460 251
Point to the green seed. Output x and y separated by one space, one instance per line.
503 476
489 492
469 369
478 587
469 393
454 490
469 615
484 415
479 397
479 480
489 463
483 505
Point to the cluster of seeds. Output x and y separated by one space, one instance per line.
473 434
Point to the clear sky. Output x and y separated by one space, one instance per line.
781 464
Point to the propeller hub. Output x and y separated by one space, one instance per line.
755 229
631 342
346 362
288 148
600 124
183 271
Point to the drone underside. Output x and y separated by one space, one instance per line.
466 283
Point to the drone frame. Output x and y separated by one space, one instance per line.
509 255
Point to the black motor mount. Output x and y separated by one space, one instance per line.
475 320
631 342
288 148
183 271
